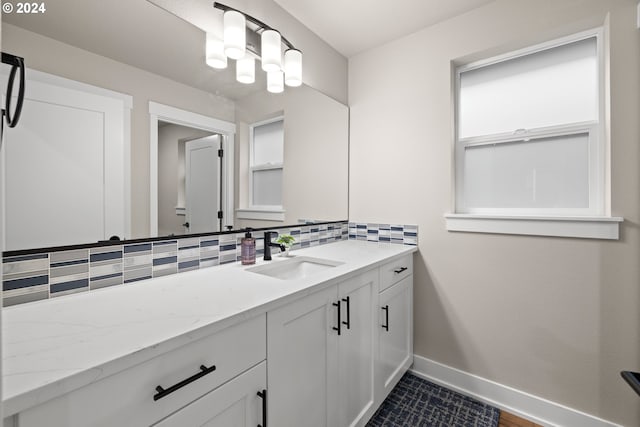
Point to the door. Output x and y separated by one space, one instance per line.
302 354
63 165
202 184
355 349
234 404
395 334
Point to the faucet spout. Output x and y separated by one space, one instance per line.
268 244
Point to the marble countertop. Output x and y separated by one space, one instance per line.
55 346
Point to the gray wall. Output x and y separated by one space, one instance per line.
555 317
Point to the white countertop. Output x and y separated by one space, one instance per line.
52 347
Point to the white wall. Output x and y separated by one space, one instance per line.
555 317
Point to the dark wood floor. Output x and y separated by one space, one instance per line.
510 420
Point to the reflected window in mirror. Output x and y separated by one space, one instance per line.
266 162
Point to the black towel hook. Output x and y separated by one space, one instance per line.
17 64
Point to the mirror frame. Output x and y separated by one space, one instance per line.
165 113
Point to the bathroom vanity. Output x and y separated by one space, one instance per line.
316 339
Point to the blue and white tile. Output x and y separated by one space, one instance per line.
165 258
228 248
138 262
69 272
188 254
384 233
106 266
410 236
25 279
209 251
397 233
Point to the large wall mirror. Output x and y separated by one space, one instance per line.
101 45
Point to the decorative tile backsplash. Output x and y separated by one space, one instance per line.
45 275
384 233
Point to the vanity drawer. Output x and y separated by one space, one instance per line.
127 398
396 270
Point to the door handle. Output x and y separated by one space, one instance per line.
263 395
400 270
162 392
186 224
386 317
337 304
348 322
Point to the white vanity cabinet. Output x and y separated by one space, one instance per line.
147 393
321 356
239 403
395 325
320 351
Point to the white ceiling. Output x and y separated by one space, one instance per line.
353 26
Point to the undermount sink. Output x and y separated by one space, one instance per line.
298 267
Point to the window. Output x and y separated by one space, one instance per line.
266 158
530 140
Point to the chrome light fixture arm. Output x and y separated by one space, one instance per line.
261 25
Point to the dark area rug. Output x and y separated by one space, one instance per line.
418 402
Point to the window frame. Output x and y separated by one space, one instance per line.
467 218
263 167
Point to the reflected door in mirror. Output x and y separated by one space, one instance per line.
202 184
64 166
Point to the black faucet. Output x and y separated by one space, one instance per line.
268 243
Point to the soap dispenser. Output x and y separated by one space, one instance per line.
248 248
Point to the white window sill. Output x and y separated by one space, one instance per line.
261 214
593 227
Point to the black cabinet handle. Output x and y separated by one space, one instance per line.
348 322
337 304
386 317
263 394
400 270
164 392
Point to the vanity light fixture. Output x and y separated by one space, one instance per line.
246 69
247 39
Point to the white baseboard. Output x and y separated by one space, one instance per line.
517 402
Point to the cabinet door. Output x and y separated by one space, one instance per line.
302 354
395 335
235 404
355 349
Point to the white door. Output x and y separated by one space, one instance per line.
64 169
202 182
302 354
355 349
394 334
235 404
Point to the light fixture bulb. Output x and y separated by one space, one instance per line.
214 52
293 67
271 51
246 70
235 34
275 81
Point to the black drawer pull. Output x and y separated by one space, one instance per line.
400 270
263 394
348 322
386 317
164 392
337 304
